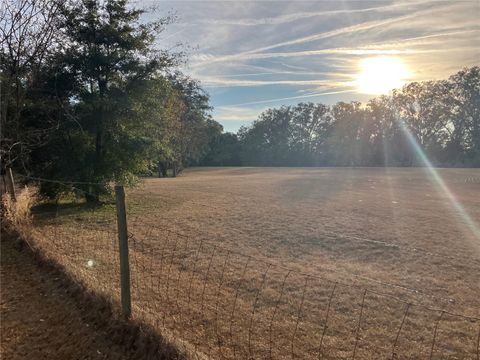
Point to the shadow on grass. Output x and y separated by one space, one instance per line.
138 340
51 209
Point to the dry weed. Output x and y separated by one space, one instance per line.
17 214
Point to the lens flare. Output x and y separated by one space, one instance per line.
442 186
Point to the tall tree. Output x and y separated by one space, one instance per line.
420 107
267 141
28 37
224 150
465 114
384 130
442 117
311 126
348 121
194 125
111 56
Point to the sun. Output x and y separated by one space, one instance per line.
379 75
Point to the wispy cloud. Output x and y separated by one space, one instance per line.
236 113
271 101
296 16
367 25
219 82
341 51
431 39
255 54
303 73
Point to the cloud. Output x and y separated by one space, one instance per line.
305 50
269 101
341 51
367 25
235 113
286 18
431 39
222 82
303 73
383 24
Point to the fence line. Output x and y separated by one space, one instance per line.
204 274
336 282
237 252
61 182
215 301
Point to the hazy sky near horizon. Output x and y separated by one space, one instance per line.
254 55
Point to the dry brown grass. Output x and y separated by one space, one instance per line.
243 263
18 214
47 315
61 246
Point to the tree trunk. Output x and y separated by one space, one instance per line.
92 196
162 169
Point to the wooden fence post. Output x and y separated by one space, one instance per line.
11 184
123 246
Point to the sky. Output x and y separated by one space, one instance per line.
250 56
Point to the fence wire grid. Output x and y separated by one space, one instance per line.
216 302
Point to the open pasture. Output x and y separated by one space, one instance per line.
297 262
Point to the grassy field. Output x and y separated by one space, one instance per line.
293 262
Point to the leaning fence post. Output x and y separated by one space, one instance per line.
11 184
123 247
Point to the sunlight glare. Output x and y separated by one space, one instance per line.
438 180
379 75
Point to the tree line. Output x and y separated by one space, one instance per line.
436 119
87 96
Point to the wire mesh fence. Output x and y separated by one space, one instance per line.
219 303
214 301
86 245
